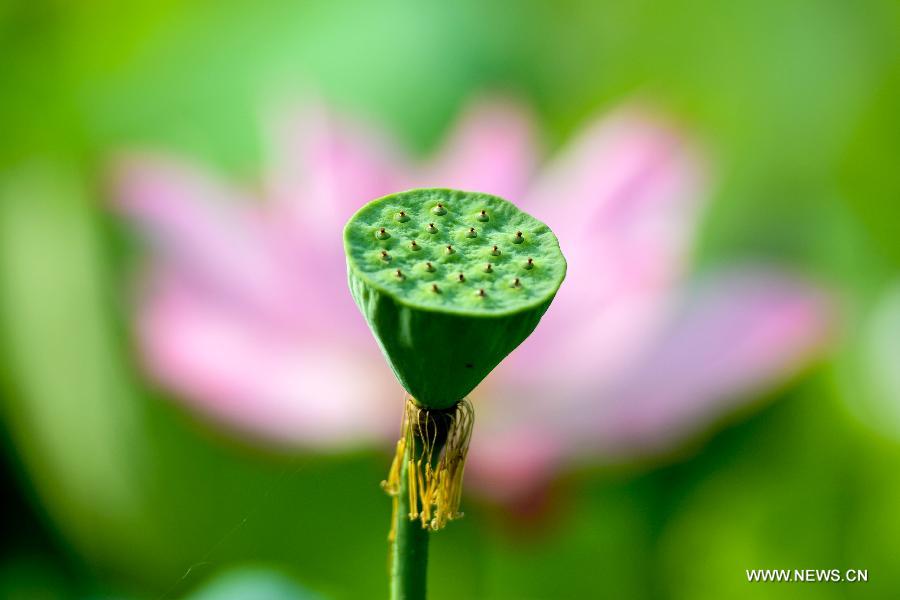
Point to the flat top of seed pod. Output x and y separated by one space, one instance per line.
454 251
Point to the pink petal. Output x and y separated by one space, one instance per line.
491 149
326 391
735 335
624 199
325 168
207 229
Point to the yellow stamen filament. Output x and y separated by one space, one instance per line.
434 486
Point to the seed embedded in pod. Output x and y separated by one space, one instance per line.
495 251
431 228
519 238
471 233
439 209
429 267
414 246
482 216
382 234
488 268
450 250
529 264
402 217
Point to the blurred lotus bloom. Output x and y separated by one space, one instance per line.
245 314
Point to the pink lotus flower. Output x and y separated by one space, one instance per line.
244 313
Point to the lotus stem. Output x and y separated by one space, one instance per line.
425 482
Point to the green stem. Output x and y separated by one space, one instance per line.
409 556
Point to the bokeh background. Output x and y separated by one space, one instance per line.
117 486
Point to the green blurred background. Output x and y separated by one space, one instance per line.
113 492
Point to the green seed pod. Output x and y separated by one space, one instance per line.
442 318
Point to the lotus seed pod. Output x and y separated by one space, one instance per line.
468 279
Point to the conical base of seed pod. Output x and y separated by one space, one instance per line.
434 467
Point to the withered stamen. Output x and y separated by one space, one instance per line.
516 282
435 288
461 277
399 274
449 249
488 268
481 293
429 267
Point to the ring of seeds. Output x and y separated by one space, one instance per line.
524 266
